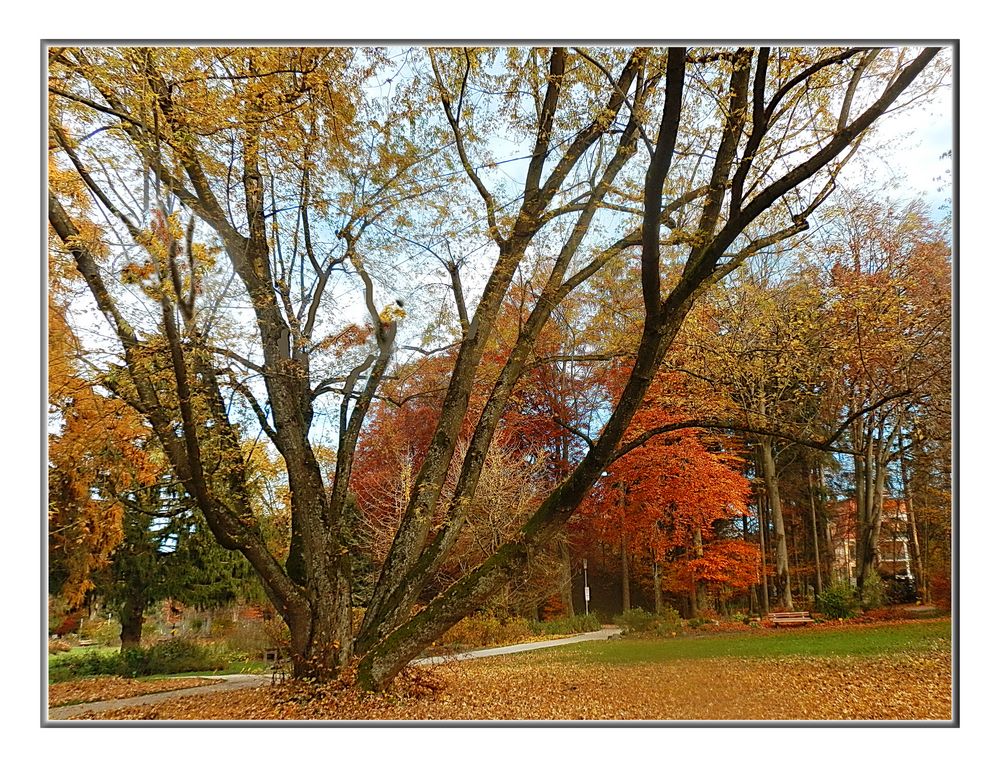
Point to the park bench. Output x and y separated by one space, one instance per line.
280 663
85 642
790 619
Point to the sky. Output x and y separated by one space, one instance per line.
920 159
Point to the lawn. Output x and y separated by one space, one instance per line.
893 672
791 642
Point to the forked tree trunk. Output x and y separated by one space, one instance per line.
869 477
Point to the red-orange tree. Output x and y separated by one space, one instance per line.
671 500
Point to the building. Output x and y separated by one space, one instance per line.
894 546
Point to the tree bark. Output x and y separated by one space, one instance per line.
657 589
869 476
784 583
626 586
815 530
761 523
911 530
131 617
566 579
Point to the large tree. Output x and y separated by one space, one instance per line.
890 320
286 177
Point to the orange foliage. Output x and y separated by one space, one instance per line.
655 499
94 442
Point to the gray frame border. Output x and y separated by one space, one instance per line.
44 44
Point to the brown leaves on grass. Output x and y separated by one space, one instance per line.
911 686
113 687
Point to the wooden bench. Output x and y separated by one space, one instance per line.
86 643
790 619
280 663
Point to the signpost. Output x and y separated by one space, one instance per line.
586 590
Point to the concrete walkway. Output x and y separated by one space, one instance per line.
232 682
229 683
527 647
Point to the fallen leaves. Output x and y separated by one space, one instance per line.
909 686
113 687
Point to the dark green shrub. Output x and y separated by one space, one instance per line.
577 624
872 591
92 663
838 600
636 621
173 657
668 622
179 655
697 623
665 623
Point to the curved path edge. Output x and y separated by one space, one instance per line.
605 633
229 683
232 682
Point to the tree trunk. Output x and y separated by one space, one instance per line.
131 620
626 586
815 530
784 583
764 598
869 476
657 590
566 579
384 661
914 543
826 535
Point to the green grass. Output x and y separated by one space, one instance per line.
860 641
81 650
56 659
233 667
58 672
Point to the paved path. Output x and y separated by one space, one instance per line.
229 683
241 681
588 637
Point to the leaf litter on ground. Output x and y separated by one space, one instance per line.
907 686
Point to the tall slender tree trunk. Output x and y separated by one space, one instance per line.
784 582
812 509
752 606
761 522
913 541
657 590
698 592
862 496
626 586
826 534
870 470
565 579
